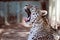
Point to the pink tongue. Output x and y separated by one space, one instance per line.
26 19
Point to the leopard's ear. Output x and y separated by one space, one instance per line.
43 12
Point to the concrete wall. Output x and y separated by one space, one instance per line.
15 7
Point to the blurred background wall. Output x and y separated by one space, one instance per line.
13 8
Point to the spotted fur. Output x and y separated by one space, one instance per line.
40 29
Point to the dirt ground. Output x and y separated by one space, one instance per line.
14 32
